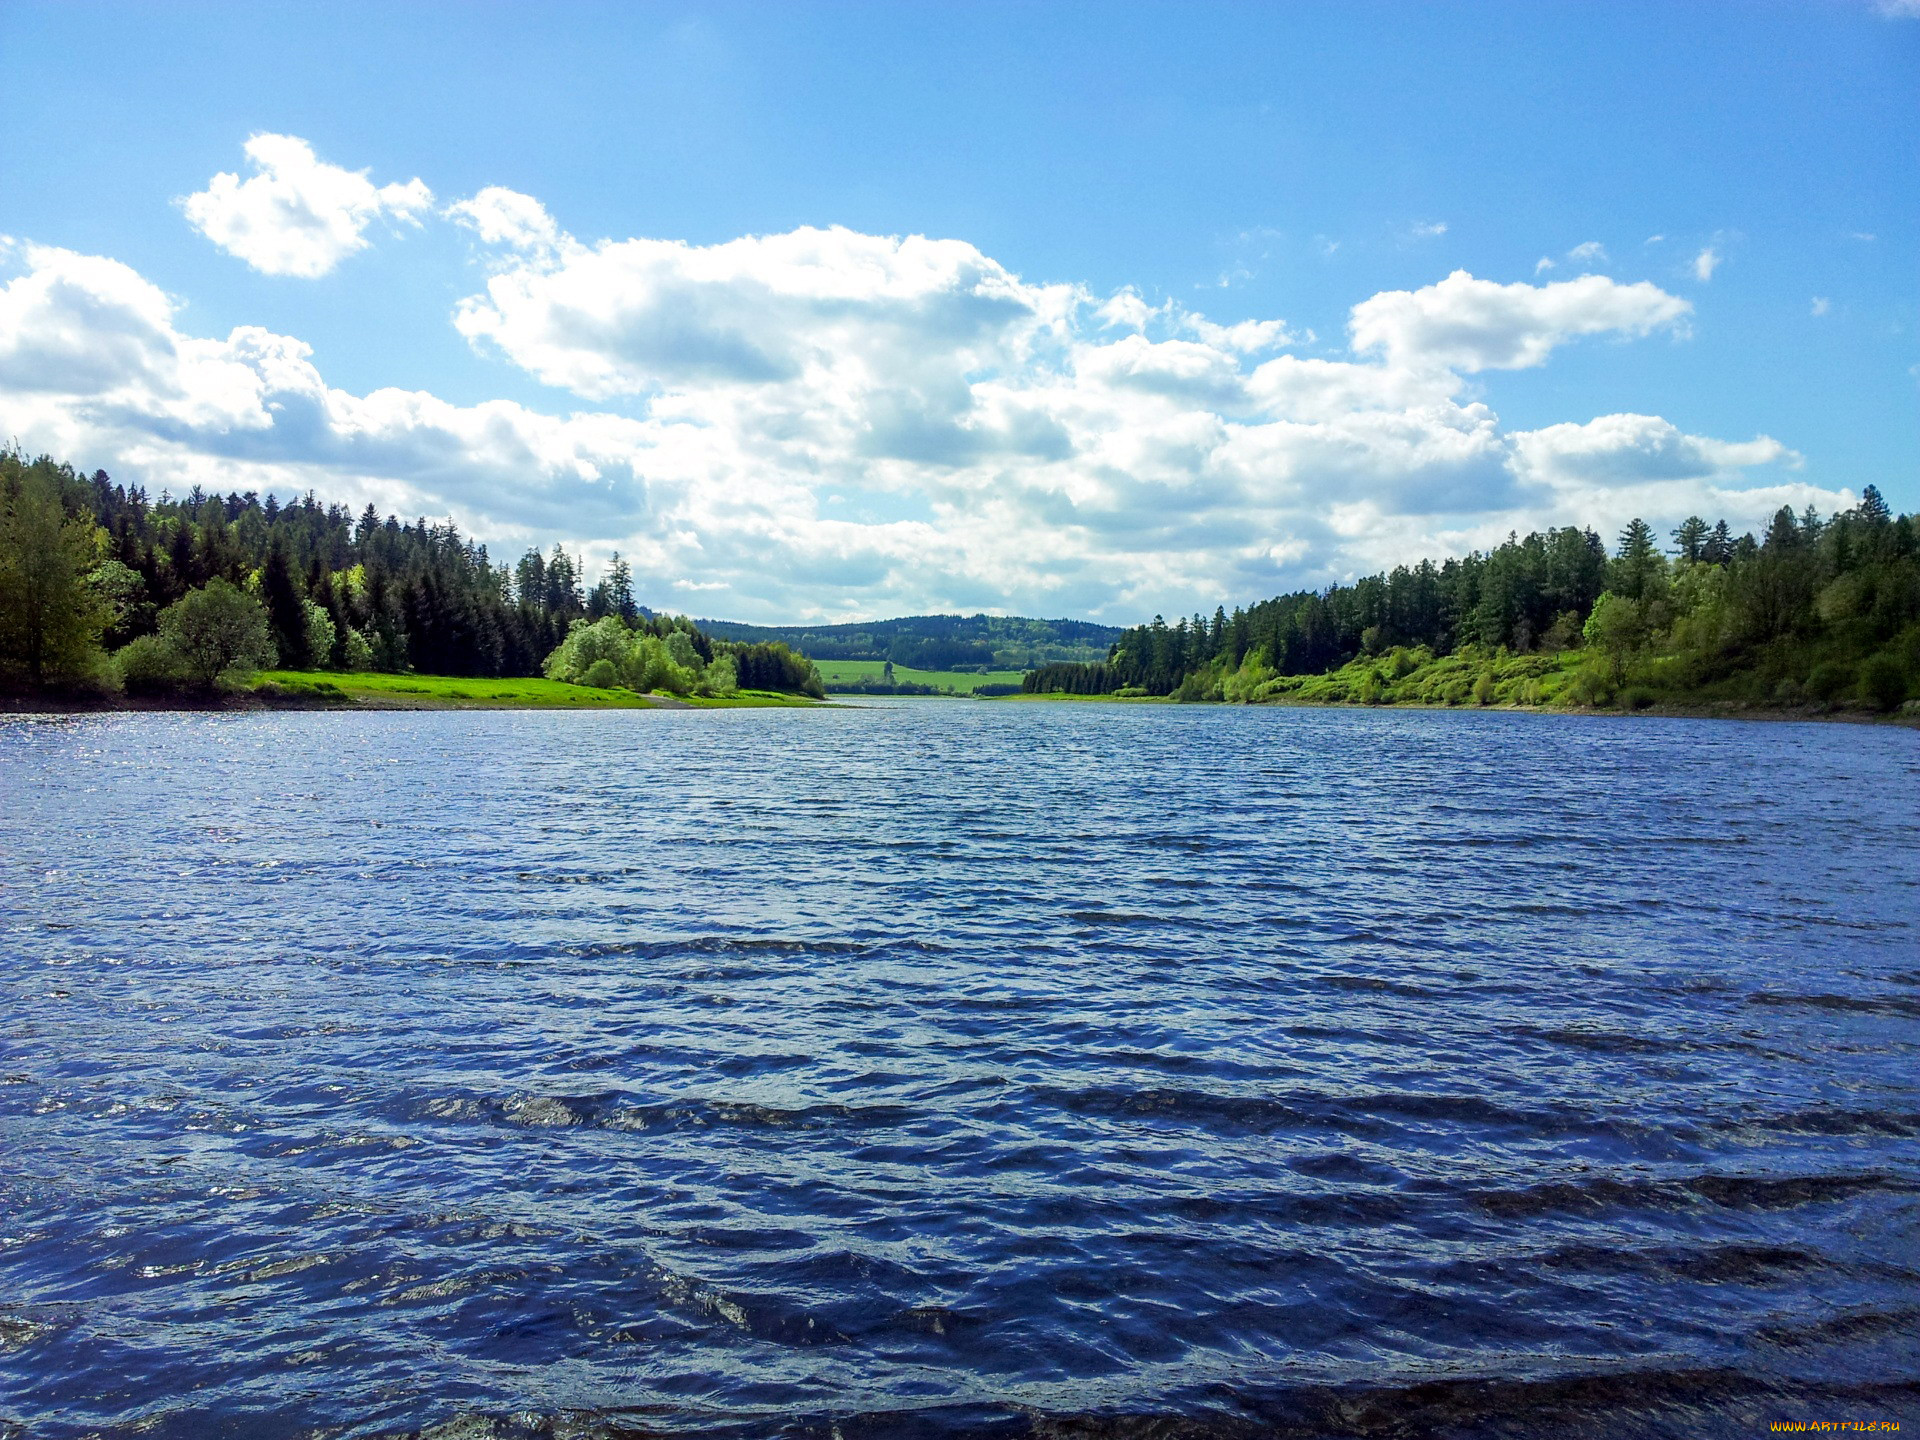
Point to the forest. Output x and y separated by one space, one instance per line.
938 642
104 588
1820 612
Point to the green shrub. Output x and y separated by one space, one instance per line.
150 666
1828 680
1883 682
359 652
217 629
601 674
1587 687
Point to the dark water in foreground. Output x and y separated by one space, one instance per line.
946 1068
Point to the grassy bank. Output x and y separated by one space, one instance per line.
1763 684
447 692
840 673
1475 677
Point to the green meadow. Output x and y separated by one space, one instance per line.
453 692
873 672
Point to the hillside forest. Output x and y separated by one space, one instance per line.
977 643
1819 612
102 588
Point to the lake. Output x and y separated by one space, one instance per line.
949 1068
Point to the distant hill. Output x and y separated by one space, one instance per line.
939 642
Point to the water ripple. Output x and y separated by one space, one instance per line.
922 1069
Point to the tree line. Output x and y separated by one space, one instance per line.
1825 609
938 642
102 585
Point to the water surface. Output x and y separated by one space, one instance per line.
944 1068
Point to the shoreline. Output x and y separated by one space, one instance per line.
1720 710
402 700
409 698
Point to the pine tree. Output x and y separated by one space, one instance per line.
1638 565
1690 540
620 587
530 580
286 607
1718 549
563 583
1784 532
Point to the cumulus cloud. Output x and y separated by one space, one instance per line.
831 306
297 215
1247 337
1468 325
1821 305
1705 263
500 216
1635 450
1126 308
830 424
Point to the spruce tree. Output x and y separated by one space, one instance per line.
1718 549
1690 540
286 607
1638 564
620 587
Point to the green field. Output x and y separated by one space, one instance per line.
871 672
452 692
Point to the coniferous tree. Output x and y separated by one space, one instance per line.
1637 565
1690 540
1718 549
620 588
286 606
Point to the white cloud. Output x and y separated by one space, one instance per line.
831 307
1898 9
828 424
1587 252
1821 305
1469 325
1705 263
500 216
1126 308
297 215
1246 337
1542 265
1428 230
1635 450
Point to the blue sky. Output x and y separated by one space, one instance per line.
726 355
